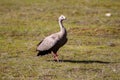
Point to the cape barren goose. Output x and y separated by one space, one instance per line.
53 42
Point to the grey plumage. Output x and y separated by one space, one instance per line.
53 42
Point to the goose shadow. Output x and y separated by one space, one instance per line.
84 61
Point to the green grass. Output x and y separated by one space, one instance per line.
91 53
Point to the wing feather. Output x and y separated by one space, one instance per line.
48 42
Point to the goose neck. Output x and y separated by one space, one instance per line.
61 25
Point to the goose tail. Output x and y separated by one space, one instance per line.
42 53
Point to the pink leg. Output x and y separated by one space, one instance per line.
55 57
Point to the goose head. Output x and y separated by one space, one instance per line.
62 17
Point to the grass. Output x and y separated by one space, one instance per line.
91 53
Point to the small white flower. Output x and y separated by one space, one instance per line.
108 14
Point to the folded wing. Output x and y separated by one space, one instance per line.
48 42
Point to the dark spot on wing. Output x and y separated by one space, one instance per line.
39 43
53 37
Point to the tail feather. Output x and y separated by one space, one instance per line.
42 53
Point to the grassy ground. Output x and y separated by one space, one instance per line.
92 51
